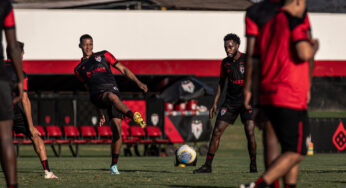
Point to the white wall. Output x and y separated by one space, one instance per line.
54 34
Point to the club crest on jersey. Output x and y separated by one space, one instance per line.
241 69
155 119
188 86
197 128
223 111
98 58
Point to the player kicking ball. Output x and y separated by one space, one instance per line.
232 69
94 71
22 122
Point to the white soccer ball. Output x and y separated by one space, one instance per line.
186 154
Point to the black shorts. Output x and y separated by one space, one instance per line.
230 113
6 107
96 99
291 127
20 123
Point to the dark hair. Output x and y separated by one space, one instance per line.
85 36
233 37
21 47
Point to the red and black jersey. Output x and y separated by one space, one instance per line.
12 75
259 14
233 71
285 78
96 71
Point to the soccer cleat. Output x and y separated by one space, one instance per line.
203 169
49 175
114 170
137 118
251 185
253 167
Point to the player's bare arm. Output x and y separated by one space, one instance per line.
220 88
126 72
17 62
250 44
306 50
27 109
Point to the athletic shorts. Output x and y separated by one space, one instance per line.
291 127
6 107
20 123
96 99
230 113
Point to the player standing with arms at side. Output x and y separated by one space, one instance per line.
232 69
22 122
284 48
256 16
8 156
94 71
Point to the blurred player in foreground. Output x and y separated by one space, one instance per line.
285 50
22 122
94 71
232 69
8 155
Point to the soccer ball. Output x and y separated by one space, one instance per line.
186 154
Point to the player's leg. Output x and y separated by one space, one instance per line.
291 127
8 155
40 150
249 127
271 148
219 128
116 144
291 177
113 98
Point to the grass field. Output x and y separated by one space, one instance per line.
230 168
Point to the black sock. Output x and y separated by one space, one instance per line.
12 186
290 185
260 183
45 165
253 158
209 159
129 114
115 158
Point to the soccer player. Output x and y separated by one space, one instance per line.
256 16
284 48
232 69
22 117
94 71
8 155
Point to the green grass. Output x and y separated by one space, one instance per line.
230 168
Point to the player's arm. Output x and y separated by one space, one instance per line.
220 87
27 109
126 72
101 116
250 45
14 52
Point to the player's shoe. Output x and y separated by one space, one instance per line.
49 175
114 170
253 167
203 169
251 185
137 118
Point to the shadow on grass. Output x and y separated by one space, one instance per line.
325 171
199 186
121 170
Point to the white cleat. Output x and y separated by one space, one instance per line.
49 175
251 185
114 170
